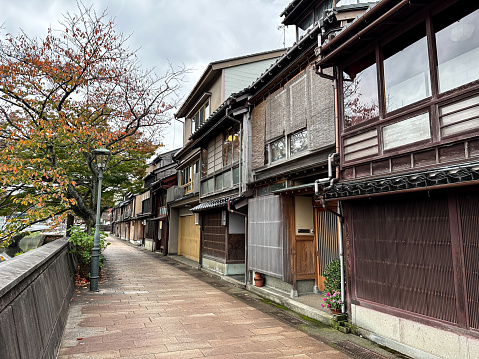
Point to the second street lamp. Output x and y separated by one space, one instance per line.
101 155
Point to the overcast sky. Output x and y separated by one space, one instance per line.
189 32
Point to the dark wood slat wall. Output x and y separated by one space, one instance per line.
214 236
403 255
418 253
470 237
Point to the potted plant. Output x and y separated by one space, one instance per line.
332 286
333 302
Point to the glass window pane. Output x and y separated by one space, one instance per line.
202 115
263 191
227 179
406 69
236 142
457 42
360 89
197 121
211 185
236 175
204 187
277 186
408 131
278 149
207 109
266 154
298 142
204 162
228 148
219 182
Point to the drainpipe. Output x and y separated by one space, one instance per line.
245 241
333 179
341 260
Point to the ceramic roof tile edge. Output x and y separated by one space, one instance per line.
290 6
159 156
217 203
426 179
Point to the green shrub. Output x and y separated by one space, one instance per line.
82 247
332 274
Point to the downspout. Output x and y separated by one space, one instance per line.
341 259
332 180
245 241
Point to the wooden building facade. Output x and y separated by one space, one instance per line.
223 157
409 168
291 237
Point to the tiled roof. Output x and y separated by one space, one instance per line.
216 203
426 179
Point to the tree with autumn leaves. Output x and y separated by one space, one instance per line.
78 89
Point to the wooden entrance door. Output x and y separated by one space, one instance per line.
189 238
304 238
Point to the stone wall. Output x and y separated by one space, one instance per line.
35 293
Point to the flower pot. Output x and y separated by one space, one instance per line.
336 311
258 279
259 282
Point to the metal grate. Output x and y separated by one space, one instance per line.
357 351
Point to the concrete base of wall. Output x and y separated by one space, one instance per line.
222 268
150 245
412 338
35 293
303 286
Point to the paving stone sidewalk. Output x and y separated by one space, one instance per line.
149 309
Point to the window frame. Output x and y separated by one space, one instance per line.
430 104
195 126
287 141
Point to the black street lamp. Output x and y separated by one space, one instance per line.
101 155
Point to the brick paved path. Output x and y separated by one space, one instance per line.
149 309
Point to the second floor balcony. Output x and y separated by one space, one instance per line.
175 193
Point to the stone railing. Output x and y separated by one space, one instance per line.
35 293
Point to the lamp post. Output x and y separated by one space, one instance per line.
101 155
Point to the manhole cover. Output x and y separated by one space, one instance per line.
357 351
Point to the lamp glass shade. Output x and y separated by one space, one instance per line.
101 155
